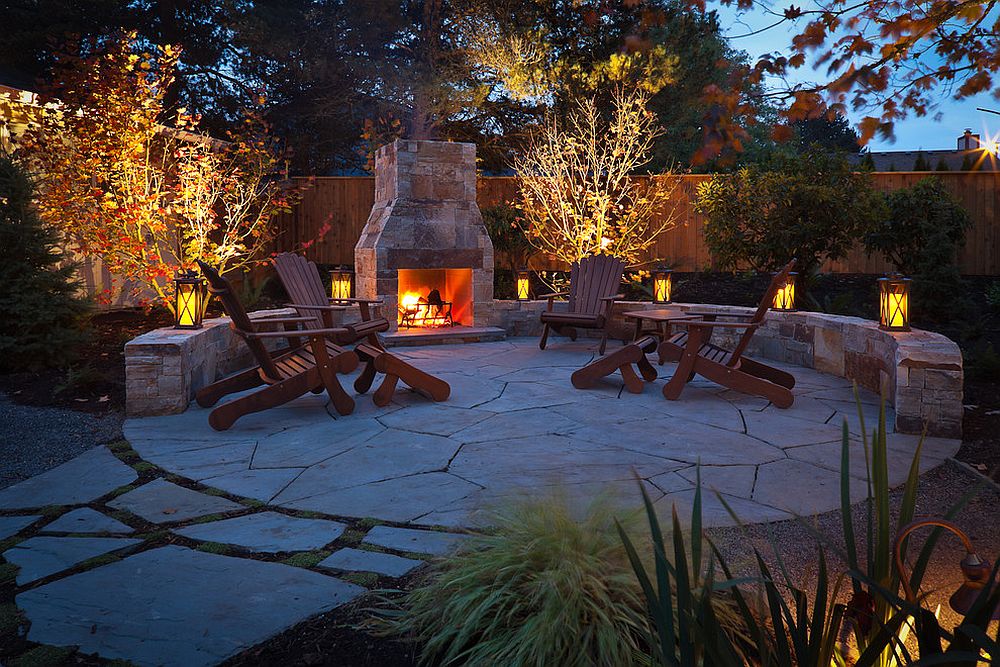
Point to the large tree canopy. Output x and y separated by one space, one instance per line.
342 76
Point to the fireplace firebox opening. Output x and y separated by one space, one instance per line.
434 298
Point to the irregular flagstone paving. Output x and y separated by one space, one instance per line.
360 560
39 557
514 424
268 532
176 606
418 541
161 501
12 525
87 477
86 520
513 428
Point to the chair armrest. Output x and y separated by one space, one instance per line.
552 295
302 306
613 297
282 320
309 333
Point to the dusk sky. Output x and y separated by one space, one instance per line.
911 134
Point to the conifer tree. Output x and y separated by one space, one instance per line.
43 312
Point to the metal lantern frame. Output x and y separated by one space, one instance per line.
663 285
341 282
784 298
190 294
894 303
523 285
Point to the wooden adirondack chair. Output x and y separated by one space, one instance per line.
288 373
593 283
305 288
695 354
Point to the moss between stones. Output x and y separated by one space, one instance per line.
215 548
364 579
8 573
306 558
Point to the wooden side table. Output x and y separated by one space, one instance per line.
661 319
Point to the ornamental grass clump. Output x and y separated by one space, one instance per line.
544 588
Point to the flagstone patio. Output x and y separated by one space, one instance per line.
515 425
159 571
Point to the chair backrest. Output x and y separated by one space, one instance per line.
242 324
591 279
303 283
765 304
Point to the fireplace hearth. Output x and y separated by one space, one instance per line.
424 250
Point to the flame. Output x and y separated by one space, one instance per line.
409 300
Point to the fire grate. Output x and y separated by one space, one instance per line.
429 311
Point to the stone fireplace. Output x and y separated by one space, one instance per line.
424 250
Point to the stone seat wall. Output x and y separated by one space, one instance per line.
919 372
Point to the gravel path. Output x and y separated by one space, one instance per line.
939 490
34 439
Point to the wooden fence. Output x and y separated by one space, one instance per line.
342 204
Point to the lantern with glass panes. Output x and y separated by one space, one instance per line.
662 285
340 283
189 300
784 298
894 303
523 285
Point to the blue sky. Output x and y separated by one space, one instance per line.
912 133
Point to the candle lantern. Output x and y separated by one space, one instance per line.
662 285
340 283
784 298
523 285
189 300
894 303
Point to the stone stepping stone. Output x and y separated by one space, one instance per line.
176 606
163 502
86 520
359 560
417 541
39 557
269 532
87 477
12 525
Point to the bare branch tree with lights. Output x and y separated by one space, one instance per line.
578 189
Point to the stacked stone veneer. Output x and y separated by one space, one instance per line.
164 368
919 372
425 216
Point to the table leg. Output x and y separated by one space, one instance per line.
638 329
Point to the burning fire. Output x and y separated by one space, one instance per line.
410 300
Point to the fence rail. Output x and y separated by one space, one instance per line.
342 204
